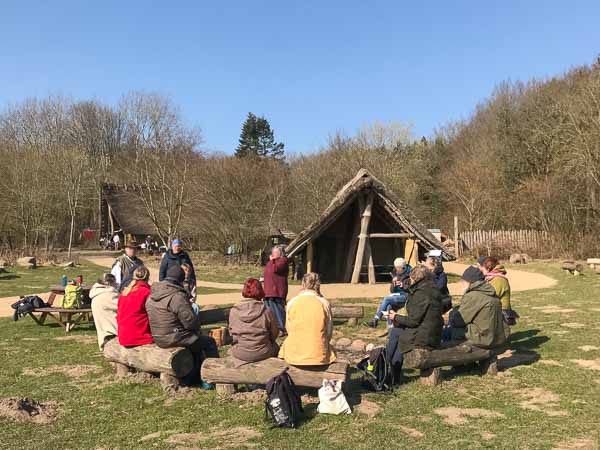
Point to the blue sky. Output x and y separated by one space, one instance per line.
311 67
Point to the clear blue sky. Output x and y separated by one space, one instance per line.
311 68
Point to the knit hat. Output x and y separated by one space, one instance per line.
400 263
472 274
481 259
176 273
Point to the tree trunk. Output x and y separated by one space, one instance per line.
223 371
71 229
454 356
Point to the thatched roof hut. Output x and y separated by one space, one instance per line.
360 233
121 208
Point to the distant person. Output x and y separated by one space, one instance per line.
276 285
117 241
174 324
478 319
398 291
125 264
495 274
309 325
480 262
420 326
189 282
253 326
132 317
176 256
104 296
434 264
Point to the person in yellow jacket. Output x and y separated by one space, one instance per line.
309 325
495 274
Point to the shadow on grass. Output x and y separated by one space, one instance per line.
9 276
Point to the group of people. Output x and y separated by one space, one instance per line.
483 317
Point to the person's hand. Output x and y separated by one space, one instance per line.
392 314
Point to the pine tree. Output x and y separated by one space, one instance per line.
258 139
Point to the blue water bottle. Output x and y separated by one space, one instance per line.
63 280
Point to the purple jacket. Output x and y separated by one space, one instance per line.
276 278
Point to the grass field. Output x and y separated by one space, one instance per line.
547 396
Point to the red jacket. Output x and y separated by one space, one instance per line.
133 326
276 278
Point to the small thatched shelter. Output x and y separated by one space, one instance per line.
360 233
122 209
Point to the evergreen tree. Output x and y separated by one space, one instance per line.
258 139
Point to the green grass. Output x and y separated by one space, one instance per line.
19 281
101 411
202 290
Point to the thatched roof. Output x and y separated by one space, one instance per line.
396 208
128 209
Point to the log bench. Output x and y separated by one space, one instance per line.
225 374
171 364
429 362
351 312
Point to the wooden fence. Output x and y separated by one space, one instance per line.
504 242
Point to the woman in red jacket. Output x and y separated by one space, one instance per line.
276 286
133 327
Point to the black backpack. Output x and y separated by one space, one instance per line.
26 305
377 371
283 404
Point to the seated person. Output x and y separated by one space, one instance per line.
174 324
434 264
104 295
189 284
398 292
309 325
495 274
253 326
421 327
478 319
132 318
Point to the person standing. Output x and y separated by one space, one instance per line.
125 265
276 285
177 256
117 241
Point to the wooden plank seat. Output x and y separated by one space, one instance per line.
171 364
350 312
452 354
68 318
226 374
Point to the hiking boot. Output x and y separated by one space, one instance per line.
207 386
373 323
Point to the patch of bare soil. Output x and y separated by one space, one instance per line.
542 400
28 410
410 431
460 416
70 371
85 338
178 393
588 348
150 436
368 408
251 398
140 377
577 443
554 309
559 332
487 436
30 339
550 362
236 437
593 364
573 325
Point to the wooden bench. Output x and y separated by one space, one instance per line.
68 318
171 364
350 312
225 374
429 362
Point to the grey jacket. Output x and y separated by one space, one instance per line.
172 320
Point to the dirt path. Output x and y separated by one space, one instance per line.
519 280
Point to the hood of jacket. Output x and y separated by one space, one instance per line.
482 287
100 289
439 268
250 310
164 289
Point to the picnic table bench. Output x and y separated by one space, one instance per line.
68 318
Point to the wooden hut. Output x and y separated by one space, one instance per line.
360 233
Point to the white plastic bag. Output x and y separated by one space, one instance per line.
332 399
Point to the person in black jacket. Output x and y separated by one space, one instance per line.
176 256
421 326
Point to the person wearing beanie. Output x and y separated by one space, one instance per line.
176 256
478 319
398 292
174 324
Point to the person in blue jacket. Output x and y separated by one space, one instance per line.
176 255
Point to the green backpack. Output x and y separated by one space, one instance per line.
72 298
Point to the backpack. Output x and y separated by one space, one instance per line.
377 371
283 404
26 305
72 298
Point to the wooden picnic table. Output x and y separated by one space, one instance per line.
68 318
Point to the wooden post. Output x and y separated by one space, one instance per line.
370 264
225 389
309 257
456 246
112 222
363 236
411 252
352 247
